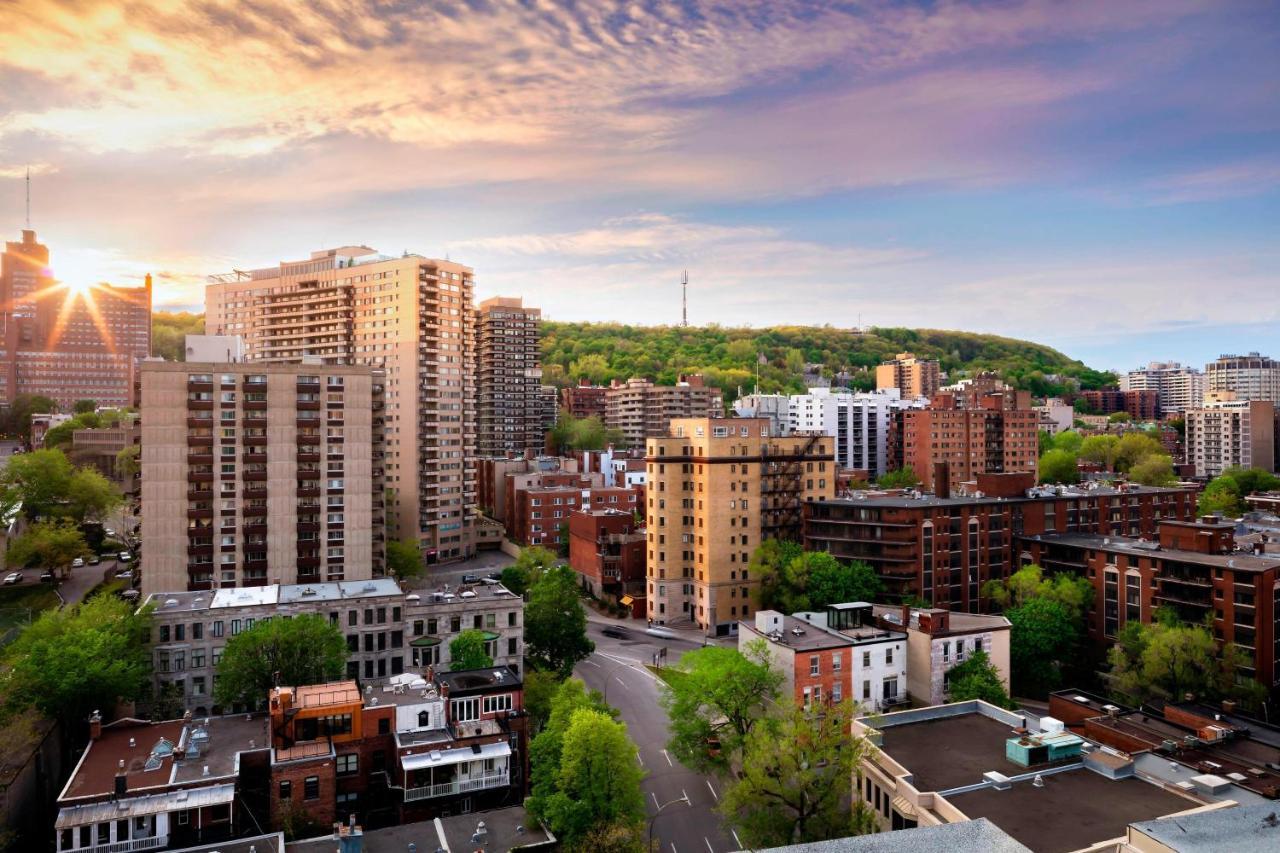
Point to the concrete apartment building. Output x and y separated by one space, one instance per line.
62 344
256 474
510 410
1224 432
859 423
1249 377
967 435
412 317
641 409
389 631
718 487
913 377
829 656
1179 388
943 549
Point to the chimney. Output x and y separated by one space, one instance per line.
942 479
95 725
122 781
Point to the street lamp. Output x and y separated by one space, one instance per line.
682 799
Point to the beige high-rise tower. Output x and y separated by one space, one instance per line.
914 377
716 488
411 316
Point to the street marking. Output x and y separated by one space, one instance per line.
688 801
712 790
735 839
668 757
708 843
655 799
590 661
673 848
638 758
620 681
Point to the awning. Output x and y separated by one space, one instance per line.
421 642
626 601
109 810
458 755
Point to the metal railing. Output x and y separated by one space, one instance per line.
458 786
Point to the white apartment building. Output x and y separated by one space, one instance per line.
1249 377
1180 388
1056 416
859 422
1224 433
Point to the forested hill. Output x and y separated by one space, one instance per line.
728 356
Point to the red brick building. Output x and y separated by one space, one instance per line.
1191 567
584 400
606 549
985 434
537 512
1141 405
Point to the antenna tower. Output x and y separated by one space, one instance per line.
28 198
684 298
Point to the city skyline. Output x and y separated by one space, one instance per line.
894 164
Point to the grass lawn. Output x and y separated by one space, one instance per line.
21 604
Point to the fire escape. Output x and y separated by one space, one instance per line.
781 489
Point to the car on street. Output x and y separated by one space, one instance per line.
125 574
77 562
657 631
494 576
12 578
124 556
46 577
615 631
95 560
470 579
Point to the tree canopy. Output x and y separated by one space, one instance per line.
467 651
404 558
1225 494
1058 466
900 478
304 649
793 580
977 678
555 624
716 695
48 545
16 420
794 782
49 486
571 434
1048 618
530 565
169 330
87 657
1168 659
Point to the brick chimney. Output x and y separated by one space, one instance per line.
95 725
942 479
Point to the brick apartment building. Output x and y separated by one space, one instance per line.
944 549
973 433
1140 405
584 400
1191 567
256 474
913 377
539 514
409 316
606 550
716 488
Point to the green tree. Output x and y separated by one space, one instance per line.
1224 495
599 780
1058 466
572 434
1072 591
546 749
977 678
84 406
1100 450
1120 418
834 582
287 652
126 464
17 420
169 332
902 478
1068 440
1167 659
793 786
809 580
716 695
90 495
87 657
404 559
1153 470
1133 447
49 485
532 562
48 545
540 688
1042 642
467 651
555 624
768 564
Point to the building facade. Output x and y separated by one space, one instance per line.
1179 388
510 405
410 316
584 400
858 422
640 409
992 437
1141 405
913 377
606 550
716 488
1226 433
1249 377
257 474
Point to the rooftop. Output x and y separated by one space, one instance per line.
1244 829
325 695
974 836
919 499
272 594
505 829
800 635
468 681
1142 547
273 843
960 623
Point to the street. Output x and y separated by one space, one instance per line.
617 670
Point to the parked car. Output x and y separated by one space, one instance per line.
77 562
125 574
494 576
47 577
615 631
470 579
13 577
95 560
124 556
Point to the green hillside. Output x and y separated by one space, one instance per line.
728 356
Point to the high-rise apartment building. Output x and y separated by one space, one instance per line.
641 409
511 409
65 343
1180 388
1224 432
992 438
717 488
410 316
1249 377
256 474
913 377
859 423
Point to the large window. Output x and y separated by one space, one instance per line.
493 704
348 763
1110 602
464 710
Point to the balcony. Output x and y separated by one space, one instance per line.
251 421
457 786
308 490
199 441
200 405
308 405
308 439
200 457
254 491
200 423
254 440
255 405
199 476
155 842
255 476
254 456
308 456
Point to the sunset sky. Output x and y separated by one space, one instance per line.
1100 176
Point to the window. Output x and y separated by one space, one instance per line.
348 763
493 704
465 710
836 693
311 788
835 661
866 690
286 790
424 719
866 658
815 665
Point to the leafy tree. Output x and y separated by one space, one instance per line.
571 434
303 650
126 464
90 495
809 580
530 565
467 651
1224 495
404 559
1133 447
167 703
169 332
1167 659
1072 591
1120 418
903 478
555 625
1068 440
49 485
84 406
17 420
1042 642
87 657
1058 466
1100 450
540 688
793 786
1153 470
716 694
48 545
977 678
546 749
769 562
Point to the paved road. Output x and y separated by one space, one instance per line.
451 573
616 669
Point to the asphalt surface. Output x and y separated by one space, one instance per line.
617 670
452 573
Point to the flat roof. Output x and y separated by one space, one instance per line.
973 836
1072 810
505 829
1037 493
467 681
811 638
1240 562
324 695
1242 829
949 752
271 594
